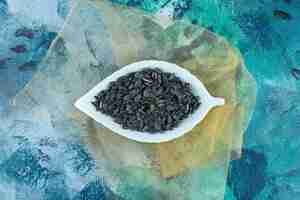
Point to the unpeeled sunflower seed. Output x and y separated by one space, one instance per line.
148 101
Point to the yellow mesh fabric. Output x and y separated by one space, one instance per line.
99 38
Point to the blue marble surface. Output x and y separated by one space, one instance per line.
269 168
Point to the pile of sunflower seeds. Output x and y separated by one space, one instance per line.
148 101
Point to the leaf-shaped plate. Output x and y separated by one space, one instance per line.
207 102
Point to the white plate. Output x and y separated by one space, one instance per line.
207 102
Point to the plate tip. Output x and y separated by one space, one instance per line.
77 104
218 101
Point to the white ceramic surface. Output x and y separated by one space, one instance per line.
207 103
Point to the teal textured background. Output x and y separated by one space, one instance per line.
269 168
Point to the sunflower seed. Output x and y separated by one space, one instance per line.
148 100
